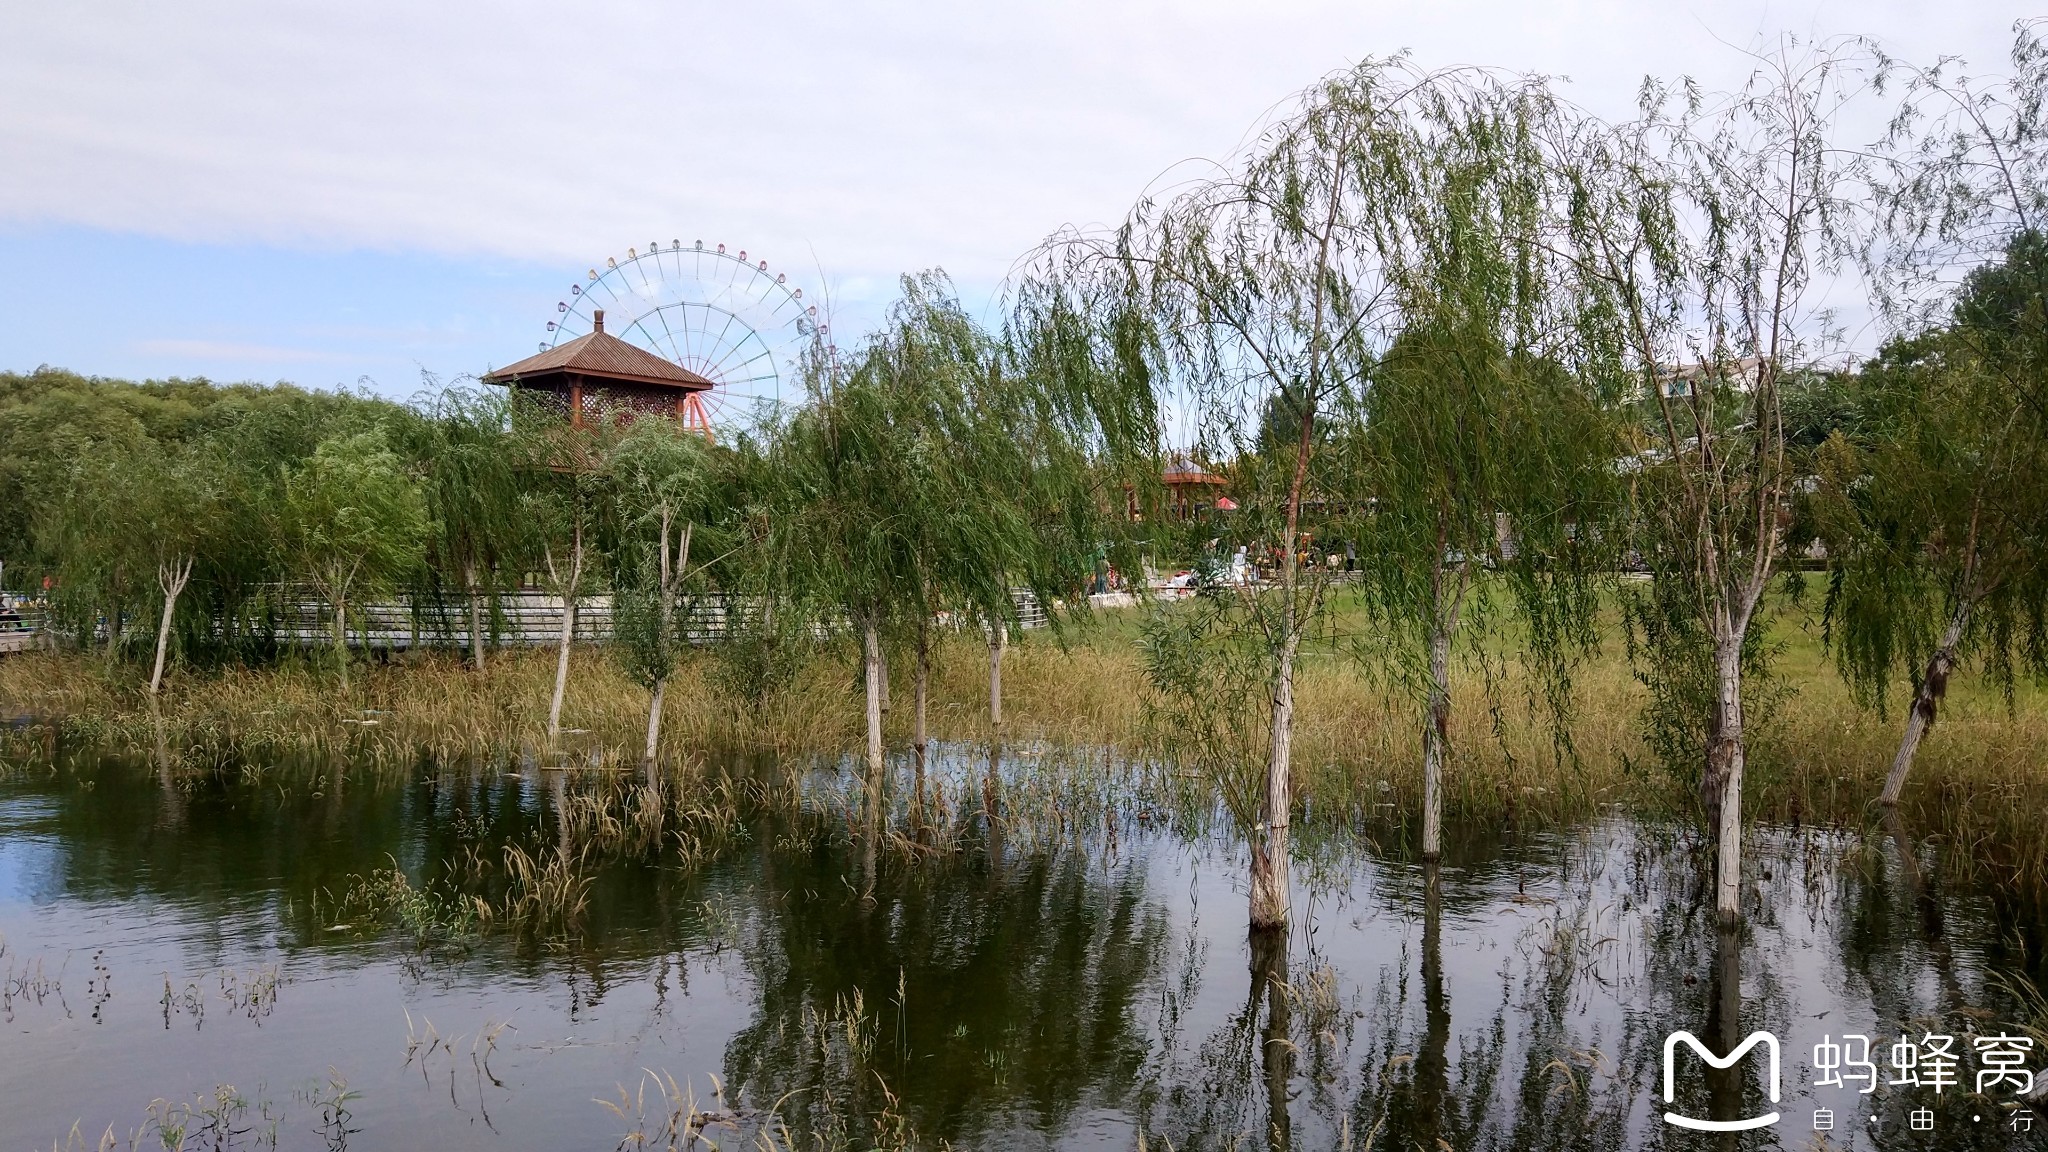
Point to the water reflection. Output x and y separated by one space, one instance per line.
984 992
989 990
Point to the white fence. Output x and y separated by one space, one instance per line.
523 618
516 619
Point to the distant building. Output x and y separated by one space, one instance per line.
1192 489
1679 381
600 377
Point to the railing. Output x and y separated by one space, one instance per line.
525 618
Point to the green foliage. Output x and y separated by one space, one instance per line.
666 487
1672 657
1930 505
761 654
472 484
923 479
1209 707
351 522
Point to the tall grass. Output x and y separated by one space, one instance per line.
1815 756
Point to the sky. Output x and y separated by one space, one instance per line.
354 195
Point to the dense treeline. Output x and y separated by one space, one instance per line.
925 478
1518 363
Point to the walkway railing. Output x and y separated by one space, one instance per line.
525 618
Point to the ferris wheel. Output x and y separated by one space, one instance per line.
720 314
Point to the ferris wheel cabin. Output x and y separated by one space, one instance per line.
598 377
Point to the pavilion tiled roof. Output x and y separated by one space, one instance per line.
1184 470
601 354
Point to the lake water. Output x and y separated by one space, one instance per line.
161 940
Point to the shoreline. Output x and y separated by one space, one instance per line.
1816 758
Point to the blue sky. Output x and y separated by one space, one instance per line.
276 189
130 304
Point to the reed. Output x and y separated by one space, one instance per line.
1815 756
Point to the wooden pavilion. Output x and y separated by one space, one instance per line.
600 377
1192 490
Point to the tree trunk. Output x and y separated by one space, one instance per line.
882 676
171 578
871 643
1436 734
872 672
1269 903
998 643
1436 727
1933 687
921 695
562 665
476 617
1722 782
1269 897
568 630
654 723
341 639
671 579
1436 730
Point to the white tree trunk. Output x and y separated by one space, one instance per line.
568 588
171 578
341 638
1933 687
1436 731
998 643
476 617
1436 728
654 723
562 665
882 676
1269 902
1724 766
872 669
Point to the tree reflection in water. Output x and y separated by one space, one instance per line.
1018 988
984 993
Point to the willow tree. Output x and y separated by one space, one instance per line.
1477 446
352 523
1700 230
473 488
1276 275
565 505
890 512
663 477
135 519
183 503
1931 507
93 538
832 540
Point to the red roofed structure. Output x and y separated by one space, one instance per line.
601 377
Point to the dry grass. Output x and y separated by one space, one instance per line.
1816 758
426 705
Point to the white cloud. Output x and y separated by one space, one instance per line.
881 137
